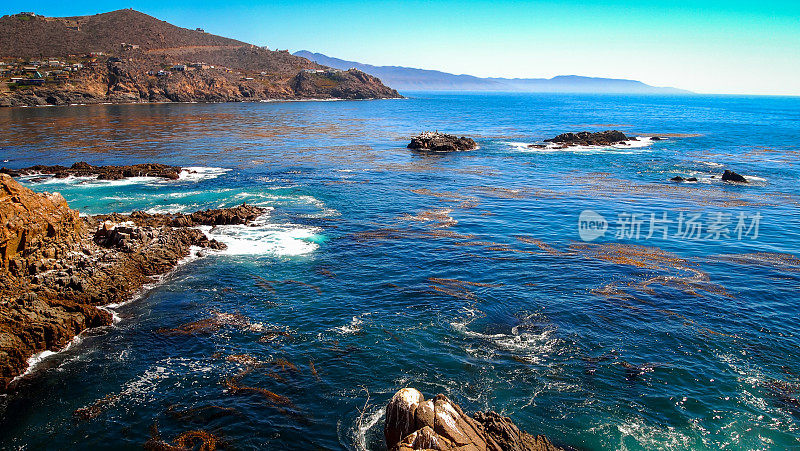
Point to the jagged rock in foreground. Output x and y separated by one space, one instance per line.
84 169
440 142
604 138
413 423
57 267
730 176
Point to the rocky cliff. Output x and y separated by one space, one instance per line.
57 267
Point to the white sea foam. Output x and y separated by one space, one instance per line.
353 327
260 238
200 173
167 209
528 345
630 147
87 181
34 360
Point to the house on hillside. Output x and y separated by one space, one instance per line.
179 67
200 30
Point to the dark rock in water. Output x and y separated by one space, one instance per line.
730 176
440 142
84 169
604 138
678 178
655 138
412 423
691 179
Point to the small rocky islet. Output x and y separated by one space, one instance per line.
603 138
441 142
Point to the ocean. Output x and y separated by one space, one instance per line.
578 291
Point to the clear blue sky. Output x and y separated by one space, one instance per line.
710 46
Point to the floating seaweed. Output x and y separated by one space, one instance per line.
438 217
463 282
232 384
326 273
393 336
313 369
203 326
445 195
195 440
285 365
95 409
540 244
783 261
500 192
263 283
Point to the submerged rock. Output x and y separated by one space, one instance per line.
84 169
413 423
440 142
678 178
604 138
730 176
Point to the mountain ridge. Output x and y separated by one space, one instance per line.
126 56
408 78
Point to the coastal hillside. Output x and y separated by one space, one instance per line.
408 78
127 56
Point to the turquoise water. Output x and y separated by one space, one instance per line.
462 274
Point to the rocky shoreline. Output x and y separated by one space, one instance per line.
57 267
83 169
414 423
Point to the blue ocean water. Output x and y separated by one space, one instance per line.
379 268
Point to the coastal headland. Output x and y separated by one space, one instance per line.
126 56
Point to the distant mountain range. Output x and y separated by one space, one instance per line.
407 78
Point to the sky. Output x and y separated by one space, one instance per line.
708 46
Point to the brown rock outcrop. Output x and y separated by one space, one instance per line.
413 423
604 138
58 267
441 142
32 221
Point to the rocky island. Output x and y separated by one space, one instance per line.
441 142
57 268
129 57
604 138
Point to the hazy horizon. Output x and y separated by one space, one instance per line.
707 47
